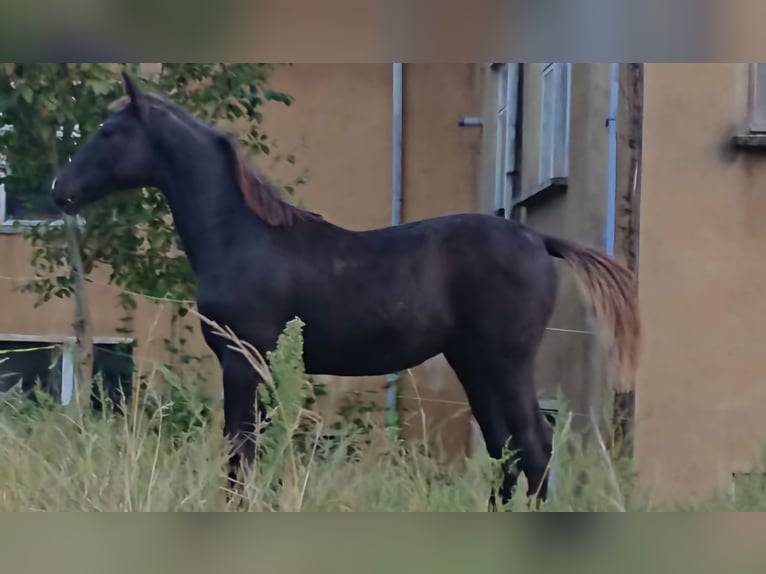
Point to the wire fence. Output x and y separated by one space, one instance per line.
380 393
158 299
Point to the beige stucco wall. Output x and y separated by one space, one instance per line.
701 397
54 318
339 128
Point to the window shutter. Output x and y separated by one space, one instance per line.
547 122
554 121
500 126
561 122
757 98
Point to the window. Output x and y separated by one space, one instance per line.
550 411
23 205
27 359
757 99
505 149
554 121
26 208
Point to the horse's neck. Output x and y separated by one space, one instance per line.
208 210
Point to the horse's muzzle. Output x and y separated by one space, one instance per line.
63 199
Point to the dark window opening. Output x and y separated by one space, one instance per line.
113 375
23 364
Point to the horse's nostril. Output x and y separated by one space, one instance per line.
63 202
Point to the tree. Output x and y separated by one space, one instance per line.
48 110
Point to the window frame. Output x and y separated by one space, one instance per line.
10 225
67 357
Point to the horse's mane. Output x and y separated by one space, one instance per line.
261 196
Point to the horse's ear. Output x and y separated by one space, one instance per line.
136 96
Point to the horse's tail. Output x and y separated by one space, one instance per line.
613 291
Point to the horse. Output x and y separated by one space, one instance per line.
477 288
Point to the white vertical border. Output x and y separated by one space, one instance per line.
67 355
67 375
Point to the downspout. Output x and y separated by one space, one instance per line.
396 216
396 147
515 122
611 177
611 186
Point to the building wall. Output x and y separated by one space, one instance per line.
701 396
339 128
55 318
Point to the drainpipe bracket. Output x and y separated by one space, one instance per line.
470 121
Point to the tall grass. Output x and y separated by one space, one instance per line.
166 453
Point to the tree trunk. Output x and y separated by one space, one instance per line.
83 327
624 411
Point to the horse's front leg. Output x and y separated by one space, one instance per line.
240 381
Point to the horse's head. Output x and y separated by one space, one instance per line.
117 157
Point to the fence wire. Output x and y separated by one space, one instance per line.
158 299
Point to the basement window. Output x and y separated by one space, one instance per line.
550 411
25 360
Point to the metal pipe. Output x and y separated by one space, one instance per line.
396 210
512 116
396 147
611 186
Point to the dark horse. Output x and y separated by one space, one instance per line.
478 288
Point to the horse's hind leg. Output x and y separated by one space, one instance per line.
529 434
477 378
502 396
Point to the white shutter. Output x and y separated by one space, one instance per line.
500 128
561 126
554 121
757 102
511 120
547 119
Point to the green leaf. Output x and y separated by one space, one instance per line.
132 234
26 93
100 87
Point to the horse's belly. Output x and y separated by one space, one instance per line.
358 352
